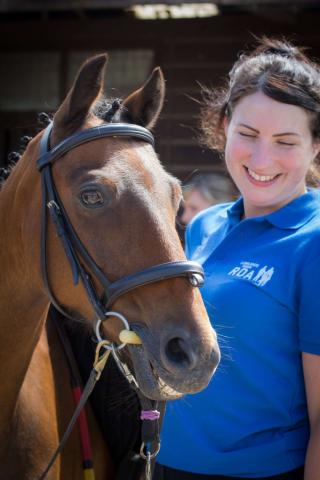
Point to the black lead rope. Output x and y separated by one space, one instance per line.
151 416
150 432
93 378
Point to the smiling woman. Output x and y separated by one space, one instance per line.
260 415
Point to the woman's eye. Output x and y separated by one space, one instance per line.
286 143
247 135
92 198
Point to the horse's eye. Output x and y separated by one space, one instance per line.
92 198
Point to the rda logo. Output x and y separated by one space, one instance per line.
253 272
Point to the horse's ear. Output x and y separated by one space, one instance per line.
76 107
144 105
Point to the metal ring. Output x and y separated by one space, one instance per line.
112 346
149 454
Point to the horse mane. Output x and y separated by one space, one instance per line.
107 110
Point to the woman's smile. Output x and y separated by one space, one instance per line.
261 180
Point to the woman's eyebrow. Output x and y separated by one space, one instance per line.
285 134
250 128
275 135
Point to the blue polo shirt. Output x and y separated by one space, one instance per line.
262 295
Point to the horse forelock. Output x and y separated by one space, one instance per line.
108 109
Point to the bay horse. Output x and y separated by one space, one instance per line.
109 240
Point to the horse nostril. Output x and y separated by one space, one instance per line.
178 353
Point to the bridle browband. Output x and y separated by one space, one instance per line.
75 251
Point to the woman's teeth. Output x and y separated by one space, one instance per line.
261 178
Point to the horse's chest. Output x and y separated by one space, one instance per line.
43 411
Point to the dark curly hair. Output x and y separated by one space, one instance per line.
281 71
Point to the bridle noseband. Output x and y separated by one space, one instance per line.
75 251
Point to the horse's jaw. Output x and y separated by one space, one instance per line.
156 381
148 379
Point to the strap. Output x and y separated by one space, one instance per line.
58 321
150 432
153 274
76 383
85 395
65 232
109 130
95 374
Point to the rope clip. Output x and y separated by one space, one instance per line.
101 360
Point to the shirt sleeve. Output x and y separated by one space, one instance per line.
309 308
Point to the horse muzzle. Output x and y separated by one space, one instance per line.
172 365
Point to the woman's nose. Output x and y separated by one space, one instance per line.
262 156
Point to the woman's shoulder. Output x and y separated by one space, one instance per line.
205 223
308 237
306 234
310 224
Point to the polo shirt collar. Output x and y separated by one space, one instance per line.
235 212
292 216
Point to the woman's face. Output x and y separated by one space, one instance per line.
269 149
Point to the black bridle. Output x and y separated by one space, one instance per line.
78 256
75 251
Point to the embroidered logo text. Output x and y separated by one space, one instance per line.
253 272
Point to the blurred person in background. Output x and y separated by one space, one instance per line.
202 191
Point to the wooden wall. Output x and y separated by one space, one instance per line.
190 52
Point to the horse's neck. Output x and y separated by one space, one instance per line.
23 305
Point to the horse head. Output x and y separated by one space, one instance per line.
121 205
